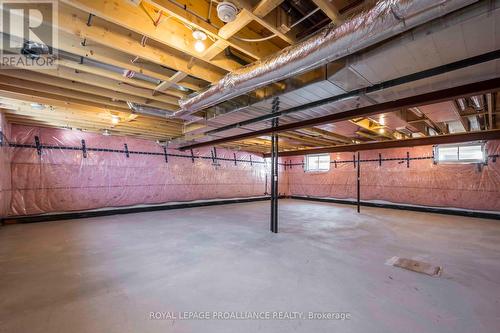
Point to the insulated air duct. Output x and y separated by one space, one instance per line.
147 110
386 19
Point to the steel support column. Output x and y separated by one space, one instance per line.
358 183
274 171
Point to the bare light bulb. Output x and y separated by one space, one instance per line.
199 46
115 119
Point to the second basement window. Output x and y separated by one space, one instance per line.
471 152
319 162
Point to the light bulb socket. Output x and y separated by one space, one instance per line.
199 35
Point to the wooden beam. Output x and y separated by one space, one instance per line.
29 121
97 122
173 80
119 77
147 63
418 100
90 121
98 81
68 105
89 114
73 22
174 34
303 138
330 10
328 134
43 79
463 122
425 141
62 92
263 50
264 7
265 22
74 31
377 131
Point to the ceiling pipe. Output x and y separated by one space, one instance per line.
108 67
150 111
386 19
115 69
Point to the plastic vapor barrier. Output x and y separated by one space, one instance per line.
408 177
62 176
5 176
55 170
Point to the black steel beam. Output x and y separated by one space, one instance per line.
425 141
476 88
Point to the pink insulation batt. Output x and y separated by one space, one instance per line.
62 180
5 176
423 183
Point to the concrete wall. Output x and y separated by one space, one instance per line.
423 183
62 180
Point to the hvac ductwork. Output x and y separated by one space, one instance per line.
147 110
141 109
386 19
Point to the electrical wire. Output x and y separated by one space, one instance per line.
250 40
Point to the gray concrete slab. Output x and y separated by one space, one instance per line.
107 274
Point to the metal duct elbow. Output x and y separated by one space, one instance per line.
386 19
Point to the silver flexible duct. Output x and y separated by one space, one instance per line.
141 109
386 19
147 110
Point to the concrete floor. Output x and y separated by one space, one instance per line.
107 274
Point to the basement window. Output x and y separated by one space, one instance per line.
317 162
461 153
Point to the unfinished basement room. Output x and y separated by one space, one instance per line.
248 166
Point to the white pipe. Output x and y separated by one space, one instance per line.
386 19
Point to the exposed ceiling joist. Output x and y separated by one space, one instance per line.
48 80
175 34
137 62
264 7
425 141
73 22
173 80
330 10
169 103
119 77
